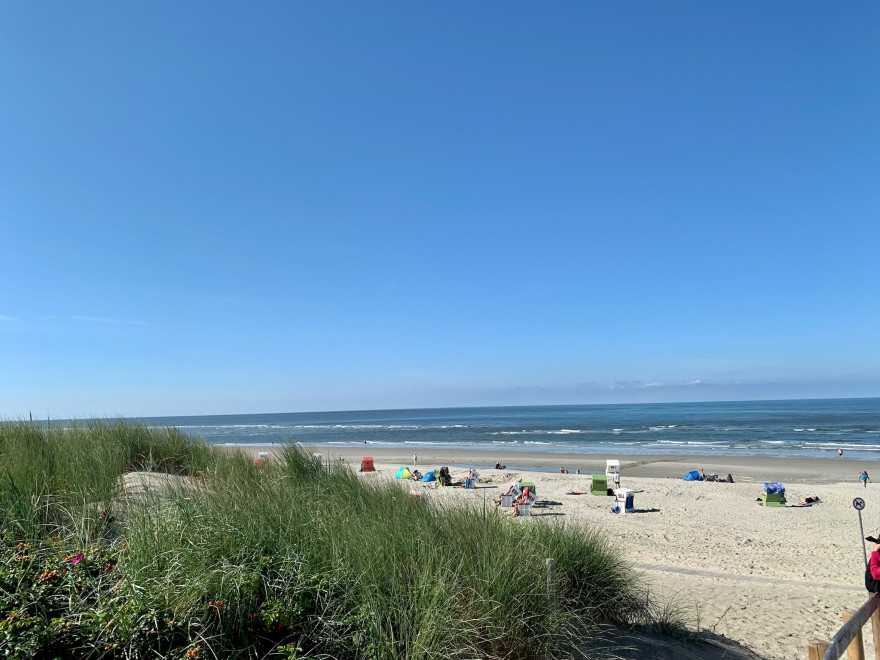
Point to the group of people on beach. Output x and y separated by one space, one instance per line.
714 477
524 496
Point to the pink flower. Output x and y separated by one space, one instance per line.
77 559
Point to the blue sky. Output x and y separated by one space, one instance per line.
220 208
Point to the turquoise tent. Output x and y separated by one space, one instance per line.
403 473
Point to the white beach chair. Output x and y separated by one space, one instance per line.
525 508
512 493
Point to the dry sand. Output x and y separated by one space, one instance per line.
768 578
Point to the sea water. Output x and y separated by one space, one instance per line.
800 428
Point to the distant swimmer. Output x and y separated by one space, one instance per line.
840 453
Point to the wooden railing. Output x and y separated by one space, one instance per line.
849 637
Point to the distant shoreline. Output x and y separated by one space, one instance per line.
746 468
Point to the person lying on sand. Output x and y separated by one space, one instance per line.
810 499
522 499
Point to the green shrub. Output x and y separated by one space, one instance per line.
291 559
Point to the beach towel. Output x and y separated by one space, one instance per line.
807 503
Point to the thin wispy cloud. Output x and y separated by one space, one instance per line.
637 384
622 385
8 318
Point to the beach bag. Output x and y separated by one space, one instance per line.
871 584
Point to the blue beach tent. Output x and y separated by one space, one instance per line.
693 475
429 476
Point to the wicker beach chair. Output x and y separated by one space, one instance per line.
774 495
512 493
524 508
599 484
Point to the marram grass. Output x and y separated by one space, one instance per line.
292 559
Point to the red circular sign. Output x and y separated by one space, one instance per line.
858 504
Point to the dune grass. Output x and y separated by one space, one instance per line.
291 559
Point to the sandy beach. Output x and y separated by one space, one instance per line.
768 578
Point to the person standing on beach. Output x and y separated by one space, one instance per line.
840 453
874 564
863 477
415 460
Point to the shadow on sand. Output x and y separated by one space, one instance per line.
641 643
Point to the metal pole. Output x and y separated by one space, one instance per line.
551 580
862 531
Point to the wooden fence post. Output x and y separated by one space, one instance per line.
856 648
875 629
816 649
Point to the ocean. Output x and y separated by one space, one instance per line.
797 428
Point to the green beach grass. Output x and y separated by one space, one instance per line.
294 558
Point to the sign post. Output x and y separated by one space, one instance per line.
858 505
